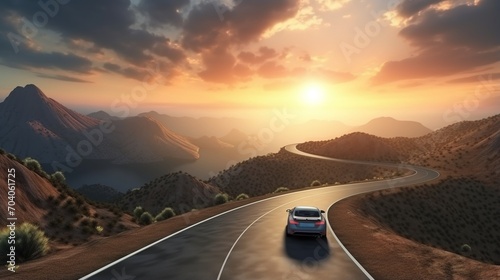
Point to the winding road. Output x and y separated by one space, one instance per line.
249 242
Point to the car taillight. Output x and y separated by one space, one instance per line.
320 223
293 222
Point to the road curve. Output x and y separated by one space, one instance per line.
249 242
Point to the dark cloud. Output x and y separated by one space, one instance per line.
104 25
408 8
163 12
62 78
451 41
263 55
213 30
146 74
166 49
30 58
17 51
473 27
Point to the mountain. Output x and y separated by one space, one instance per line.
103 116
33 125
143 139
234 137
389 127
212 143
180 191
198 127
99 193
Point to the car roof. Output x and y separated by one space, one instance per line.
310 208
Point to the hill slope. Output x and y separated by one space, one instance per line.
468 148
180 191
63 215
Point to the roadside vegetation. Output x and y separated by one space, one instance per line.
459 215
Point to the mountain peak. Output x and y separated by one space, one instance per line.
30 91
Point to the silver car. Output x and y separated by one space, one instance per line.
306 221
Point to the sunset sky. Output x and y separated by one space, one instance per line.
432 61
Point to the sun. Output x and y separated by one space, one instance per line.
313 94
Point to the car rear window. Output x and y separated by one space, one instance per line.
306 213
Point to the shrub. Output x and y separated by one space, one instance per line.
34 165
281 189
315 183
165 214
221 198
58 178
31 243
242 196
138 212
146 218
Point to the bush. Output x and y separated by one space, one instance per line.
221 198
34 165
31 243
165 214
315 183
242 196
281 189
58 178
146 219
138 212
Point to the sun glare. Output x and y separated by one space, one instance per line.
313 94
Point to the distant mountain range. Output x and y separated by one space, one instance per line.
33 125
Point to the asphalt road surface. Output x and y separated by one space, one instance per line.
250 242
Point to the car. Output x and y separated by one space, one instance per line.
306 221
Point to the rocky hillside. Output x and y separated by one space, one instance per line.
46 201
264 174
180 191
100 193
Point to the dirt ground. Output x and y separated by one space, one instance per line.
386 255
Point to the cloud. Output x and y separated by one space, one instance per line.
447 42
484 78
336 76
62 78
94 26
215 30
163 12
157 72
434 63
331 5
263 55
28 58
222 67
408 8
273 70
